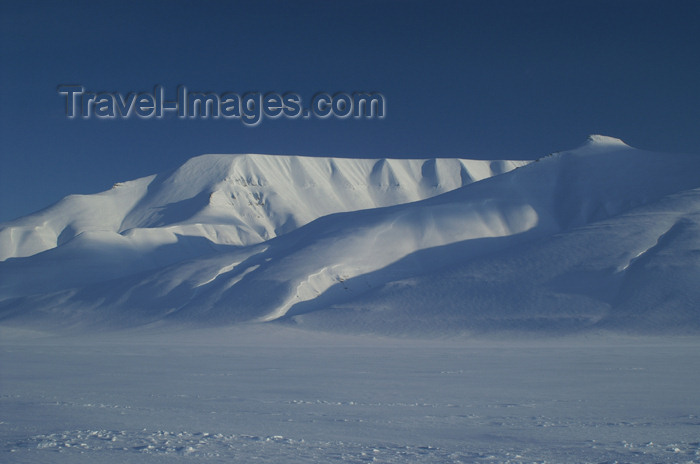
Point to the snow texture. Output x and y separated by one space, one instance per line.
602 237
275 395
258 308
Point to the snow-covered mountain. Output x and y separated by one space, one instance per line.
603 236
237 199
210 203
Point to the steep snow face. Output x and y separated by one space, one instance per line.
235 200
379 269
584 238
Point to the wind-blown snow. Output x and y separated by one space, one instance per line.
601 237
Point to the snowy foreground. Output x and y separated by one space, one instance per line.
238 309
279 395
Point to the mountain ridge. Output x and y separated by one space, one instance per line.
234 192
569 242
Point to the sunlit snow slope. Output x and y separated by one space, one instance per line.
210 203
603 236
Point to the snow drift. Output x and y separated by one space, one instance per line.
603 236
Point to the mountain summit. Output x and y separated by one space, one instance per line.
589 239
605 141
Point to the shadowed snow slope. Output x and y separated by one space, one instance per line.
603 236
237 199
210 203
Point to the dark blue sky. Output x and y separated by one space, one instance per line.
489 79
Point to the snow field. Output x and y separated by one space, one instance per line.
280 396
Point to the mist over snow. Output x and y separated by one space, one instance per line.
601 237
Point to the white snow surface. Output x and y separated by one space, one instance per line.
269 309
236 200
270 394
604 236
